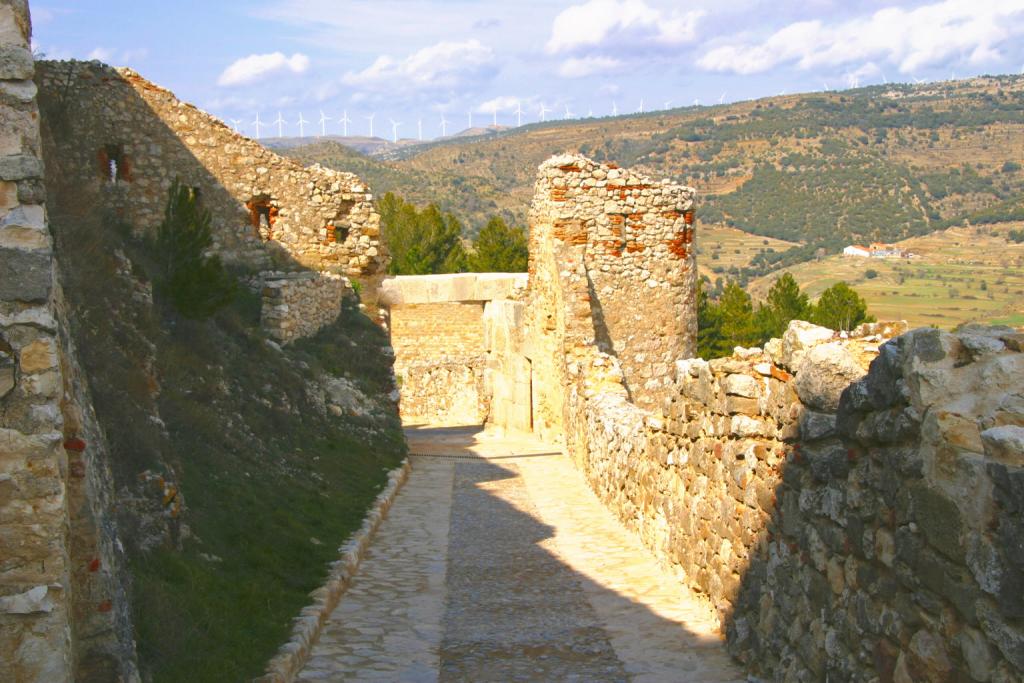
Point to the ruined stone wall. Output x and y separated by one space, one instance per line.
845 524
439 362
123 141
35 633
63 610
630 241
439 335
297 305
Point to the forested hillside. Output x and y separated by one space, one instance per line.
821 169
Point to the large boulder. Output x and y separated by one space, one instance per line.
798 339
823 373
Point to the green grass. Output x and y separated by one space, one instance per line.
266 484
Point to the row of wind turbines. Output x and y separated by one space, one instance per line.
542 113
344 120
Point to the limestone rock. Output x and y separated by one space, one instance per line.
1005 444
823 373
800 337
31 601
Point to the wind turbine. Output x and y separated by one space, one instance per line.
419 130
641 109
323 123
885 81
279 123
237 122
543 110
494 116
257 123
444 127
722 98
519 113
568 114
696 102
302 125
344 121
917 80
666 104
615 108
826 86
590 113
394 130
370 119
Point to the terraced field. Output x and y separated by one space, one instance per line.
961 275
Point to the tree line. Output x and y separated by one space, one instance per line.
425 241
731 320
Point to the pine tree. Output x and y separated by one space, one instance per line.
197 285
784 303
499 249
840 308
737 314
420 242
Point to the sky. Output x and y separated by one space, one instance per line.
412 63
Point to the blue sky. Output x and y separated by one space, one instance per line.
414 61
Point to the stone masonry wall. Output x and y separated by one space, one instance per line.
439 361
439 334
635 237
63 608
35 633
851 508
123 140
297 305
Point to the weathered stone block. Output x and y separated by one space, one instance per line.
27 276
939 519
824 373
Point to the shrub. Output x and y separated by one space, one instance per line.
195 284
871 273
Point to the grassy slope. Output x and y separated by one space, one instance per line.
269 484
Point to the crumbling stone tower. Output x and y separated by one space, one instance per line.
621 246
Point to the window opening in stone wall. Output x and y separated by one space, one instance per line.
262 215
114 164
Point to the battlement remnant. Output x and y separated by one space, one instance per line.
122 140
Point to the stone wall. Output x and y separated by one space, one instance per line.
35 633
635 239
297 305
63 609
123 140
851 508
439 336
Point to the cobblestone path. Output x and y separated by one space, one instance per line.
497 563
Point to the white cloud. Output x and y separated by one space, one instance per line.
254 67
911 39
620 23
443 66
499 104
577 67
103 54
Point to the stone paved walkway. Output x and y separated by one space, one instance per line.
497 563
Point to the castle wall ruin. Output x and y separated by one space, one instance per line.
439 336
121 141
849 505
63 606
296 305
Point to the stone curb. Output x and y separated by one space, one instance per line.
292 656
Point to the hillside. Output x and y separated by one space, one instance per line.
960 275
821 169
237 475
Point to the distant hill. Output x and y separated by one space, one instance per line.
823 170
